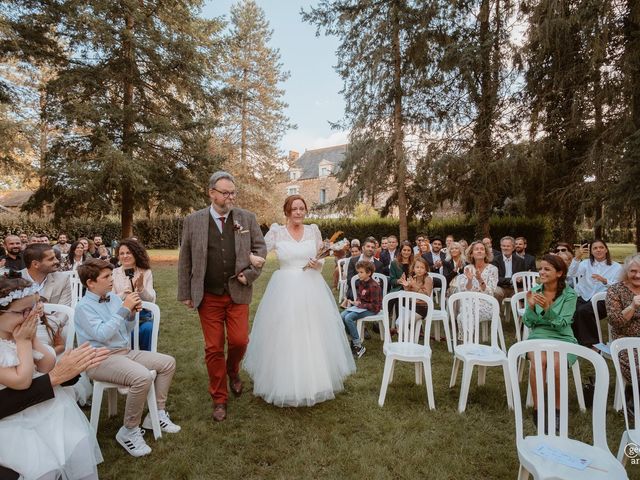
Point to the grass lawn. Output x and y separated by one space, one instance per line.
349 437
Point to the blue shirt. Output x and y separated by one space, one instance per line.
103 324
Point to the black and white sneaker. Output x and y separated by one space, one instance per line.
166 425
359 351
133 442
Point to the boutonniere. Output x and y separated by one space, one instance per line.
236 226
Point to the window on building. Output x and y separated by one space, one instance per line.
323 195
294 174
293 190
325 171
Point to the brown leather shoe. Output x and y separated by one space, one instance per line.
236 386
219 412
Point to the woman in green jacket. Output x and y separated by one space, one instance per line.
548 315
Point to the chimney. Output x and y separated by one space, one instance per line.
293 156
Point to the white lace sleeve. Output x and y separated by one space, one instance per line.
317 235
271 236
8 354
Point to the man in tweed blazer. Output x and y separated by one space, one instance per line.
215 276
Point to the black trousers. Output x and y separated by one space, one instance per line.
584 322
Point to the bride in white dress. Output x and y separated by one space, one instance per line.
298 352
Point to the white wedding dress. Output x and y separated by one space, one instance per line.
298 353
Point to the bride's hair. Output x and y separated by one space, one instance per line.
288 204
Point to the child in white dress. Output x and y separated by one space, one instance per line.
52 439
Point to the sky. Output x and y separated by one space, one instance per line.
312 90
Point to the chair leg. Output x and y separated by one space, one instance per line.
381 328
96 403
454 372
577 379
467 370
436 330
447 334
393 369
360 328
112 402
386 380
521 361
529 400
426 366
152 403
523 474
418 369
482 374
624 440
507 385
617 396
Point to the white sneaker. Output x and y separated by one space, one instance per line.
133 442
166 425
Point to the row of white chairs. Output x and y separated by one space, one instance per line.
470 352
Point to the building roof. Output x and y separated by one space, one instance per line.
310 160
14 198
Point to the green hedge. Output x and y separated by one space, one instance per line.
537 230
157 233
165 232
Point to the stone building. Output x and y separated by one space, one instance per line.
313 175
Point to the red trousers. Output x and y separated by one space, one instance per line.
216 312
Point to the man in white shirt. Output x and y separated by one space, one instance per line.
594 274
507 264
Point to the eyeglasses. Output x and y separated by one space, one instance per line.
561 249
25 312
226 194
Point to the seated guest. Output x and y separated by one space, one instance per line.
97 243
54 287
103 253
479 275
13 257
454 264
52 439
419 239
400 266
507 264
489 244
388 255
24 240
464 245
435 259
77 256
384 245
368 298
595 274
62 247
104 320
623 311
368 249
548 314
564 251
521 251
424 247
447 243
354 251
419 281
134 274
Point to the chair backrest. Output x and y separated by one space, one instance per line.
563 349
630 347
517 307
524 281
379 277
465 306
442 294
155 311
343 263
599 297
406 320
50 308
76 288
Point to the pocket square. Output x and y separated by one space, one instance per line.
244 231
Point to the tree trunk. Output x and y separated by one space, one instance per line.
398 136
127 193
244 119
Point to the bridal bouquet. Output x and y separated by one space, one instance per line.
329 246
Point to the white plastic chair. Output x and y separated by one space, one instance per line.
524 281
440 314
603 464
407 348
471 352
112 388
606 351
384 283
76 288
343 263
631 346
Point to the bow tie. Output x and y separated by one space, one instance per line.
104 299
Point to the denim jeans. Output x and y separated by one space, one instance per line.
349 318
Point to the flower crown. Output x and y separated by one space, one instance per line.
20 293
